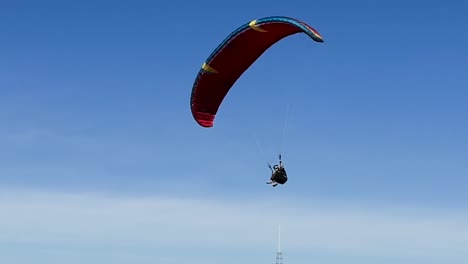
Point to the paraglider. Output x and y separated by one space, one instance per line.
233 57
278 174
236 53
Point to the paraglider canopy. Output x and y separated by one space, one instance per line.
234 56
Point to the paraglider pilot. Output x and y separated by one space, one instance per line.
278 174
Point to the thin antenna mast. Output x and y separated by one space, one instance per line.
279 255
279 238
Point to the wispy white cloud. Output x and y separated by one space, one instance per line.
99 219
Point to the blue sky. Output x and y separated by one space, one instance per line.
101 161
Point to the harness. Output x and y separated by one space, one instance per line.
280 176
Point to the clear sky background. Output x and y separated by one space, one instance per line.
102 162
